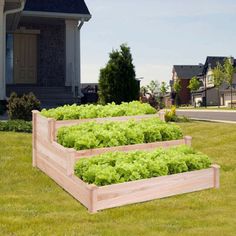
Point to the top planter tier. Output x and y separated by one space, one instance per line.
72 112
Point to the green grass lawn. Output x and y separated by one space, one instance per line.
32 204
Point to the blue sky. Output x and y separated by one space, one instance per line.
161 33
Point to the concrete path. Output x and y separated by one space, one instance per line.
212 115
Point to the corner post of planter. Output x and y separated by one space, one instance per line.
162 115
188 141
51 129
34 137
70 161
216 169
93 198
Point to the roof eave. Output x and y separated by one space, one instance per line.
75 16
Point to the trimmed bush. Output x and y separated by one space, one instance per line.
72 112
119 167
16 126
20 107
109 134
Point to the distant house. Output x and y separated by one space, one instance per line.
208 93
184 73
40 48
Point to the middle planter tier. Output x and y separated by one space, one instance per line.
91 135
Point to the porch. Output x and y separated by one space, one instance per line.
48 96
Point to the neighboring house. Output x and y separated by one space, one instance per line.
184 73
40 48
208 93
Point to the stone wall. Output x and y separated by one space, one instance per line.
51 53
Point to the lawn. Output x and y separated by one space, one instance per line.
32 204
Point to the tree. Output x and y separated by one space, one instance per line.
143 91
177 88
117 81
151 93
154 88
194 85
163 90
164 87
218 78
229 76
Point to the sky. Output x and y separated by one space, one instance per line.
160 33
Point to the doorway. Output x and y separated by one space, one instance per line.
25 58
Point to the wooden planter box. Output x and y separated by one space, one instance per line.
58 163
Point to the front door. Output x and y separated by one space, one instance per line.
25 58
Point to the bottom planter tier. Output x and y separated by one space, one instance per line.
98 198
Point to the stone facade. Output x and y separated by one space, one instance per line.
51 53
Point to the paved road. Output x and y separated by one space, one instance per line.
210 115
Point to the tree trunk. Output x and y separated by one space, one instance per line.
218 97
231 94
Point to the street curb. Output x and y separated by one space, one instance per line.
186 110
217 121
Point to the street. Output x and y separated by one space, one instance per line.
229 116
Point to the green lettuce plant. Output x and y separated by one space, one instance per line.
119 167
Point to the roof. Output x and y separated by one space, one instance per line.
58 6
188 71
212 61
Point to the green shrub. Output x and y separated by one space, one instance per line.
119 167
109 134
171 115
16 126
68 112
20 107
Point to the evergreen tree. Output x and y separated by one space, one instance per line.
117 81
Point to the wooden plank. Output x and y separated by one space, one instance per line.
43 127
145 190
144 146
34 140
53 162
101 120
51 130
216 175
79 192
50 151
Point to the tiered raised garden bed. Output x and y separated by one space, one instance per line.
58 163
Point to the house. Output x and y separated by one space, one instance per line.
40 48
208 93
184 74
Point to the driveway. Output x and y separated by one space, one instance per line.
227 116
